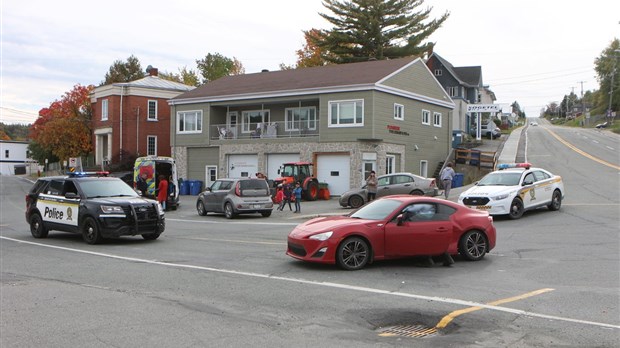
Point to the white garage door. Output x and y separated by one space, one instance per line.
242 166
334 170
275 160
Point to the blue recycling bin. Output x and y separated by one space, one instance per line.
457 181
184 187
195 187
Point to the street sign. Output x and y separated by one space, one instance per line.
483 108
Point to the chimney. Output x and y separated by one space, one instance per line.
265 70
151 71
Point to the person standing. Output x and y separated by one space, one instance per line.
371 185
297 192
447 175
162 191
286 197
142 185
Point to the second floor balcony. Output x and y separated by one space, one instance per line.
265 130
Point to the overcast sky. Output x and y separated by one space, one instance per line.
532 52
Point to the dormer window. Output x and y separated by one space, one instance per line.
437 72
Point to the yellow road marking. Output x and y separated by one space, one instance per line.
448 318
581 152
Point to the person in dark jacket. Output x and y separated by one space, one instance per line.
286 197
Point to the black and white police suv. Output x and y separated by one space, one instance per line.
94 205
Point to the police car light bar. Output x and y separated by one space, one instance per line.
514 165
99 173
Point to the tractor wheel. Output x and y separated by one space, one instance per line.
312 191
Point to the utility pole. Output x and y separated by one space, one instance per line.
583 105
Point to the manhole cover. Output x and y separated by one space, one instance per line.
408 331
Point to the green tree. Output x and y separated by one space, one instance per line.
607 67
130 70
40 153
214 66
376 29
185 76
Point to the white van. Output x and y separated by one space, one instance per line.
154 166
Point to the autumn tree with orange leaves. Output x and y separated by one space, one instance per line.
64 128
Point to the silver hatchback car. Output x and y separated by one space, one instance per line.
392 184
236 196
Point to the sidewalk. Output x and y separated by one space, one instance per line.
309 209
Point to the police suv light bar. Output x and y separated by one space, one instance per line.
514 165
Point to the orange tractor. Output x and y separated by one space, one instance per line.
291 173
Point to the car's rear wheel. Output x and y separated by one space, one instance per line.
90 231
229 211
356 201
151 236
556 201
37 228
353 254
516 209
200 207
266 214
473 245
416 193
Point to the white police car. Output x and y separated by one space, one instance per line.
513 189
94 205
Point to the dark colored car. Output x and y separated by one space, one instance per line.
236 196
394 227
94 205
602 125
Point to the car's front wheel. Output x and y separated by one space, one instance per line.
473 245
90 231
516 209
353 254
151 236
356 201
37 228
556 201
200 207
229 212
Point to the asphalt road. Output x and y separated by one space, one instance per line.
553 279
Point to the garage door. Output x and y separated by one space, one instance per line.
275 160
242 166
335 171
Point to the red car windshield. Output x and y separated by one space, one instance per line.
377 210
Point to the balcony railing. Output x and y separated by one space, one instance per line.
265 130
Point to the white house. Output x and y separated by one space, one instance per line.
12 154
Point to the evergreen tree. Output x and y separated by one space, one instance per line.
376 29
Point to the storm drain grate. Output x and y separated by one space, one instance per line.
408 331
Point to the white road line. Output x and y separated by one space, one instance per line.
327 284
611 148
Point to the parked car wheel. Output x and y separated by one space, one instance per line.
356 201
200 207
229 211
473 245
37 229
266 214
90 231
556 201
516 209
151 236
353 254
416 193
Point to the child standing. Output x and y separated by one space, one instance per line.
297 193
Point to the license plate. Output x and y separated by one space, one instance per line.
257 206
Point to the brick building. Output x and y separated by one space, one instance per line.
132 119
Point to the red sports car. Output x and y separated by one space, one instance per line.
394 227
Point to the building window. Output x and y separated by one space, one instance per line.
151 145
437 72
300 118
189 122
104 110
399 112
390 161
6 153
426 117
253 121
346 113
437 119
453 91
152 116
